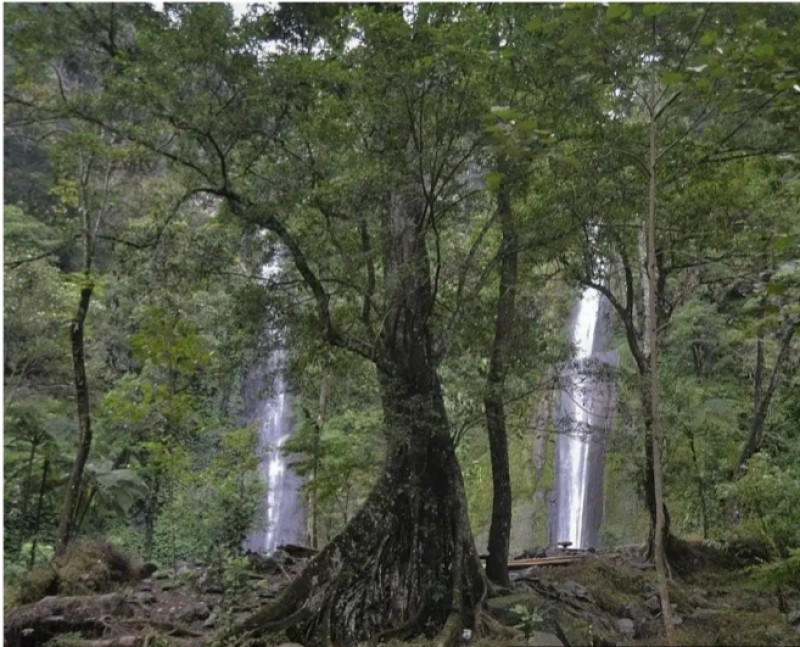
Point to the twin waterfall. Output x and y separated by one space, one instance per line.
584 415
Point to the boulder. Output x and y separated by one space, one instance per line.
626 628
572 589
654 604
194 612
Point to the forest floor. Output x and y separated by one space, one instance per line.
608 598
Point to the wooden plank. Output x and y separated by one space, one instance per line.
516 564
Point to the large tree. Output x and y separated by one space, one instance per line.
355 159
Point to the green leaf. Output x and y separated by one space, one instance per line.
709 38
764 52
534 24
493 180
776 289
651 10
620 11
671 78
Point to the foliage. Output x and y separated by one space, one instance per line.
166 157
529 621
768 494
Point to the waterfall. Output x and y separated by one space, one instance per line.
282 516
584 415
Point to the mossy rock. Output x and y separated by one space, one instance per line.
503 608
94 566
37 584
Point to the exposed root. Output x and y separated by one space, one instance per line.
451 631
491 627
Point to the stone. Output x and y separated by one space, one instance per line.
793 617
704 614
143 597
677 620
698 601
147 569
544 639
572 589
502 608
290 645
626 627
211 621
194 612
653 603
634 612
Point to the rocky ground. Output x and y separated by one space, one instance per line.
601 599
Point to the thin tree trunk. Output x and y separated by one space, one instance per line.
27 488
38 519
500 530
66 527
762 398
324 393
653 381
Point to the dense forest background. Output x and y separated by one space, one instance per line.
156 161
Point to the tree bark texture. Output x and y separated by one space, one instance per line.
406 561
500 529
66 526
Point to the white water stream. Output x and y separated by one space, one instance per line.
282 513
584 416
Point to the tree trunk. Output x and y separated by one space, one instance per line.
661 525
763 397
66 526
500 530
406 561
37 522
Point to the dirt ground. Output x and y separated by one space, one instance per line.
600 599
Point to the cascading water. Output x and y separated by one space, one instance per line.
584 415
282 513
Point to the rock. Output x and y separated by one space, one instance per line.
572 589
184 570
502 608
169 585
793 617
704 614
626 628
194 612
143 597
634 612
544 639
280 556
653 603
537 552
290 645
530 573
211 621
677 620
147 569
698 601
